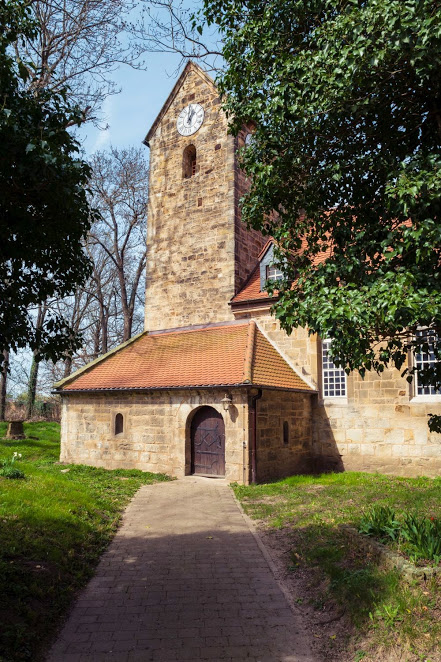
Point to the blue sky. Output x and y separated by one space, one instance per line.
130 113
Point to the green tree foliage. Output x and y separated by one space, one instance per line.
346 99
44 214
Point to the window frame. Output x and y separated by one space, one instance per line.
285 434
415 396
189 162
279 275
325 372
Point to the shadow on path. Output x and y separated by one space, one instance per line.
184 579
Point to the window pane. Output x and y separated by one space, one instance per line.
272 273
286 433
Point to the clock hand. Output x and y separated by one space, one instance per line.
191 112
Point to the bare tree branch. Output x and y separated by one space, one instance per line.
80 44
167 26
119 188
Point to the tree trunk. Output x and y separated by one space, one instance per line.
67 366
32 387
104 317
33 375
3 383
96 341
127 326
127 314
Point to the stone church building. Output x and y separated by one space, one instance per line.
213 386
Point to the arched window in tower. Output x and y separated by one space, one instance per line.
119 424
189 162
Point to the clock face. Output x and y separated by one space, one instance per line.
190 119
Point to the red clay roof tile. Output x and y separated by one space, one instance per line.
251 289
209 356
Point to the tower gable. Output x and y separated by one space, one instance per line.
189 67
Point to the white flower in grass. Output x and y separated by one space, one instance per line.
15 454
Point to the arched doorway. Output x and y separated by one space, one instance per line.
207 434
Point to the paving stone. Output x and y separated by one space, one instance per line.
183 580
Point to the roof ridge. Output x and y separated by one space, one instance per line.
306 379
198 327
249 354
264 248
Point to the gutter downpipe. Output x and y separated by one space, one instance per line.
252 409
253 434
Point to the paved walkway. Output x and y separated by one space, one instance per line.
183 579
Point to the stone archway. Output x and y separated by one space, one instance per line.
207 438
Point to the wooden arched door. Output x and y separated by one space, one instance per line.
207 443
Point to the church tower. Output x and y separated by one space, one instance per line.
199 253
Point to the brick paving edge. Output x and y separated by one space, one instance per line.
272 566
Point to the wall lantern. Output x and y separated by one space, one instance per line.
226 402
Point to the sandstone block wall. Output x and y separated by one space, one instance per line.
275 457
379 426
156 434
248 242
197 251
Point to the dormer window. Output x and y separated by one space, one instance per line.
265 262
189 162
268 270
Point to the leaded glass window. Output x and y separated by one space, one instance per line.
425 360
334 379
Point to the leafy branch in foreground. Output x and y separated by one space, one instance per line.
44 212
345 166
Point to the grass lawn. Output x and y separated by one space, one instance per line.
382 616
54 525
